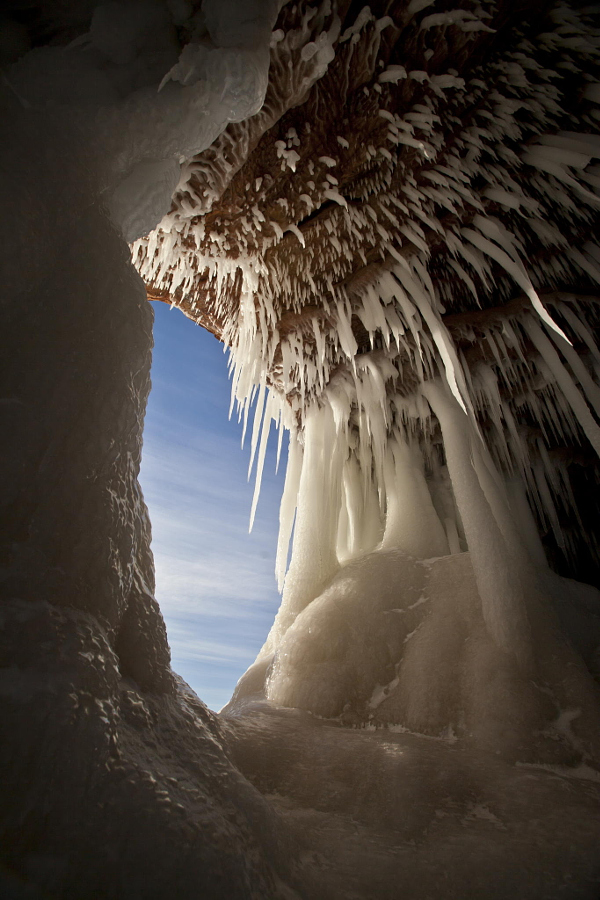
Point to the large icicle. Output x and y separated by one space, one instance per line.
497 573
411 523
314 559
566 383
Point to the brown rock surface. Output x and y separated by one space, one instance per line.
412 160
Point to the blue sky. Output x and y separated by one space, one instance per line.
215 583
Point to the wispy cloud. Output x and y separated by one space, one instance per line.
191 648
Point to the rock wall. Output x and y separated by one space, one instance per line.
116 779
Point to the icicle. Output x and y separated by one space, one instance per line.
314 559
287 509
411 524
500 587
296 231
590 388
566 383
258 414
581 330
517 272
266 426
280 430
440 336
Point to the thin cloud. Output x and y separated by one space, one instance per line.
196 649
215 583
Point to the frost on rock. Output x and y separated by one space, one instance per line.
408 276
143 103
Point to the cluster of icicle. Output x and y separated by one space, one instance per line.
365 468
170 255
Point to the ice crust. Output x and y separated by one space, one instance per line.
382 813
108 83
393 640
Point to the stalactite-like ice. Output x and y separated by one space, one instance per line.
403 446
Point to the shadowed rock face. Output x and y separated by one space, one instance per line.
116 779
119 783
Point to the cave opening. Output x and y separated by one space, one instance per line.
423 716
215 582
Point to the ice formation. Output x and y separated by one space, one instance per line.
137 137
409 298
388 216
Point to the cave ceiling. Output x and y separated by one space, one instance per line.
414 128
454 146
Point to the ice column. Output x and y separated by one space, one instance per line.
412 523
314 560
500 568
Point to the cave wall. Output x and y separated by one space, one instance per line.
116 778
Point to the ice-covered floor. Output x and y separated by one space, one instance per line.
381 814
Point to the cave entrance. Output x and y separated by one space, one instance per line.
215 582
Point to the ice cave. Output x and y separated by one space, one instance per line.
388 214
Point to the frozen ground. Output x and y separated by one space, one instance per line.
380 815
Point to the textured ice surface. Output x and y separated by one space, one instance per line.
377 814
393 640
106 86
